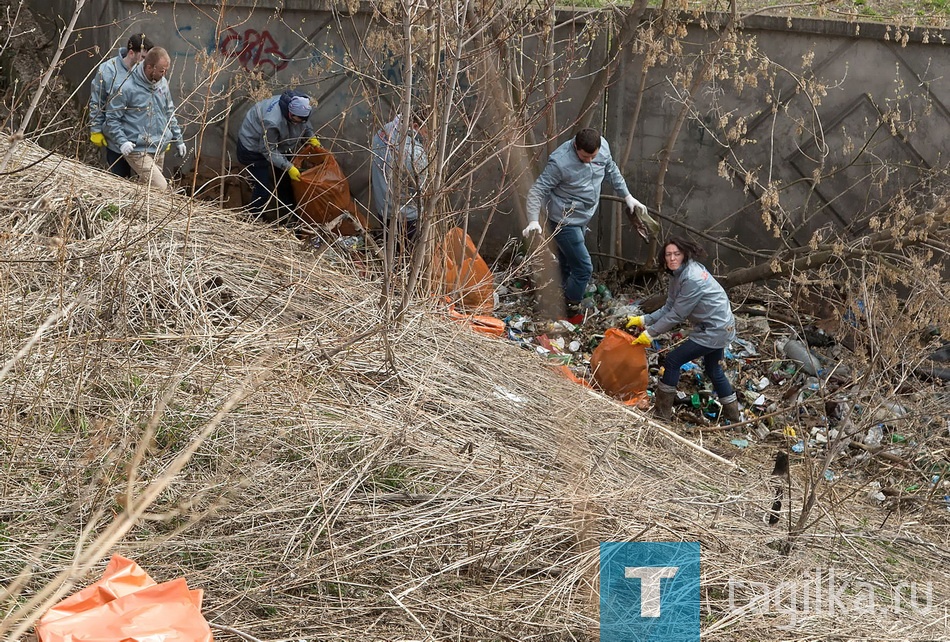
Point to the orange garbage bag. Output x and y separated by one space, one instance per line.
620 368
127 605
466 277
323 193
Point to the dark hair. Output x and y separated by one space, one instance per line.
139 41
587 139
689 249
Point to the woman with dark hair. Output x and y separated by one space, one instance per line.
697 297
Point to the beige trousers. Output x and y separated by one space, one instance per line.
148 168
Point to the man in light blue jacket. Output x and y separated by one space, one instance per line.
569 188
108 79
140 119
273 131
399 170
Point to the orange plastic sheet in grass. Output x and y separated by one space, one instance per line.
480 323
126 605
619 368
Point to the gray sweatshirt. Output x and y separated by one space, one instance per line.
697 297
570 188
266 131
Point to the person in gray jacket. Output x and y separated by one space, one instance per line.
273 131
110 76
569 187
140 119
697 297
399 170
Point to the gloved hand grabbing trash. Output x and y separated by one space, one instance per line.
636 207
643 340
97 139
314 142
127 148
634 322
294 173
182 150
533 226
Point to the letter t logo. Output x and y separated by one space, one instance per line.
650 577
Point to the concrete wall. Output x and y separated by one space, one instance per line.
856 77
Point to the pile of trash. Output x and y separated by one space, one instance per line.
796 387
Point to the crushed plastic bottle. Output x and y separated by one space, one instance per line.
798 352
875 496
874 435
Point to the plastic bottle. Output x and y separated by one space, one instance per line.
798 351
874 435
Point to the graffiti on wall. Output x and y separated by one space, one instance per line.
252 48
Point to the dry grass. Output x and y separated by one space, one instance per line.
459 495
931 13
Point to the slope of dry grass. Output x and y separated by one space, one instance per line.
201 399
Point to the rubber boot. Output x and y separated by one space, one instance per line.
730 408
663 401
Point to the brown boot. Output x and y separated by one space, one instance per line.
663 401
730 408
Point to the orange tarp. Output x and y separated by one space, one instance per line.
466 277
126 605
323 193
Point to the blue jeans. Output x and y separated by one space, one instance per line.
689 351
117 164
574 259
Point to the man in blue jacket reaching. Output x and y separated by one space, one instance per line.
569 189
273 131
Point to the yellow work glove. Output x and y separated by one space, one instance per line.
643 340
294 173
634 322
315 142
97 139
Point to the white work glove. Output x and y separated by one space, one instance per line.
635 206
182 150
533 226
127 148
